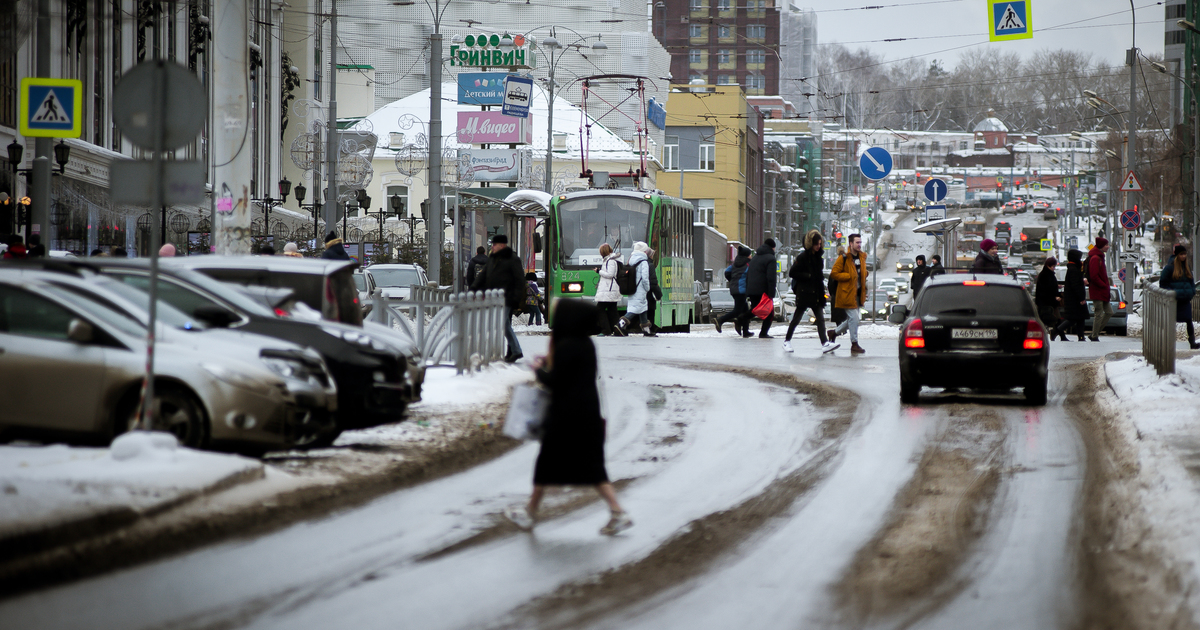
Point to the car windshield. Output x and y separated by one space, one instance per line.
166 314
588 222
180 285
103 313
987 300
394 277
360 282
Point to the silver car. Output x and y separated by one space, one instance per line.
212 387
394 282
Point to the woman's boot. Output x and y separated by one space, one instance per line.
647 332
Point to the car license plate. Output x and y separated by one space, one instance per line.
973 333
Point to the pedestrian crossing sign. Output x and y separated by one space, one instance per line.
1010 19
50 108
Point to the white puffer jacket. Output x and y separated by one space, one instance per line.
607 290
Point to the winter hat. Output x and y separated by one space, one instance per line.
500 238
1074 256
920 257
574 319
1101 241
1180 249
1050 261
744 251
770 242
331 236
291 248
986 244
640 246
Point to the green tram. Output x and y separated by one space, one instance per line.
582 221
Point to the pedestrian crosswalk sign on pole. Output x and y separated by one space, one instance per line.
50 108
1009 19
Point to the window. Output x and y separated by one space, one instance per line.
896 145
935 146
920 163
756 31
399 191
29 315
756 56
708 156
724 32
706 211
1175 37
962 146
724 5
695 57
670 153
696 5
725 79
921 148
724 55
695 30
756 82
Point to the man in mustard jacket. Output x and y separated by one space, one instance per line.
850 272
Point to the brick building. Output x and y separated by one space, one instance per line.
722 42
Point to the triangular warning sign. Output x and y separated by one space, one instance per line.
1009 20
50 111
1131 184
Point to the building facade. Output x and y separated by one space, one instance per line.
722 42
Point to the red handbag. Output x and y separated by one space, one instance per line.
765 307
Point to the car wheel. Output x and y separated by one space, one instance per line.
322 440
1123 331
179 413
910 391
1035 392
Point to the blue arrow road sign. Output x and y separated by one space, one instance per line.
1130 219
875 163
935 190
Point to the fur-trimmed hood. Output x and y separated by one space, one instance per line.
811 238
336 241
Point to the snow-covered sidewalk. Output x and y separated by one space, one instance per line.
1158 418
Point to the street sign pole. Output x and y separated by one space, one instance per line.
40 210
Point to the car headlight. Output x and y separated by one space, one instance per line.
296 367
357 338
231 375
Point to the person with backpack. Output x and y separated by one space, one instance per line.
851 273
533 300
760 284
836 315
735 274
637 305
608 292
476 265
809 289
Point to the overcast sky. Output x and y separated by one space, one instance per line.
947 28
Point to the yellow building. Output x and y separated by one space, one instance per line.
712 156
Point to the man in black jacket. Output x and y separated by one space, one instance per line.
760 281
504 271
476 265
920 274
936 268
334 250
1047 298
808 283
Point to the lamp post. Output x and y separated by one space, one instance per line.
315 207
16 152
285 188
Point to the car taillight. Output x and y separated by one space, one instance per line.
914 334
1034 335
1120 305
974 283
331 299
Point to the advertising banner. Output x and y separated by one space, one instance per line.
481 88
496 165
493 128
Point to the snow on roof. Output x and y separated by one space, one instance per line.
969 153
991 124
605 145
535 196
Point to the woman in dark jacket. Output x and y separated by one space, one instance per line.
1047 298
987 261
572 451
735 273
1074 296
809 286
1177 276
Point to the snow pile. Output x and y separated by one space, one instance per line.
491 385
57 485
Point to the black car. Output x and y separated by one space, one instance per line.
979 332
376 377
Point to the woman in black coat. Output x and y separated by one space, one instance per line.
1074 296
1047 299
572 451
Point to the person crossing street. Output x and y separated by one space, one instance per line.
808 285
761 278
851 273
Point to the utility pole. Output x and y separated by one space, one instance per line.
42 146
437 231
332 150
1131 158
231 154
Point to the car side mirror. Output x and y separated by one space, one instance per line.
215 316
80 331
537 243
898 314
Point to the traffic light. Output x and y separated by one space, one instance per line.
999 185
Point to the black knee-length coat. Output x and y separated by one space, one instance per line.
573 443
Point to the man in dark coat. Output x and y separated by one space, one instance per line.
935 267
760 281
1047 299
808 283
504 271
334 250
476 265
988 258
735 274
1074 296
920 274
572 451
1099 287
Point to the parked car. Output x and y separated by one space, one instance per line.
720 302
324 285
378 373
1118 324
1050 214
364 282
1024 279
212 387
395 280
783 310
905 264
703 304
976 332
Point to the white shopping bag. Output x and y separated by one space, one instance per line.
527 412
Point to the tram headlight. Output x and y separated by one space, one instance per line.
572 287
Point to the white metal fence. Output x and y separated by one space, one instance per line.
465 330
1158 328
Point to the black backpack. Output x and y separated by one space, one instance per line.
627 278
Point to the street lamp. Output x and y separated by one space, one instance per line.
315 207
16 152
268 202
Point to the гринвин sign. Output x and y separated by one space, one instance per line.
493 128
483 51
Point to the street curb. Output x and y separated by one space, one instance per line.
72 530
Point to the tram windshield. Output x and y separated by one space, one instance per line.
589 222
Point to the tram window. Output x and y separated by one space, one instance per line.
588 222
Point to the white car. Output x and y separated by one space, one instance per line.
394 281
